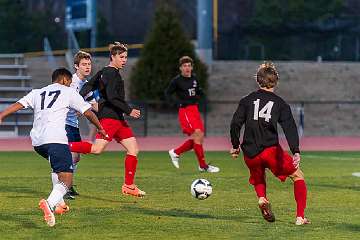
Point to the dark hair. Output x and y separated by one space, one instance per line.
185 59
267 76
117 48
59 74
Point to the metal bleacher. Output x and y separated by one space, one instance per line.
14 83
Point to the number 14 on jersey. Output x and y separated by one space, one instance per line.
265 112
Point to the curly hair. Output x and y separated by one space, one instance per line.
267 76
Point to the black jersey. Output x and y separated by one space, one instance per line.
261 111
187 90
111 89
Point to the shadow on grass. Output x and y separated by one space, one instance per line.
181 213
20 190
24 221
105 199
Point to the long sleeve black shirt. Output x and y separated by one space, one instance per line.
261 111
187 90
111 88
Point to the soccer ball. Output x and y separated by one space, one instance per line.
201 189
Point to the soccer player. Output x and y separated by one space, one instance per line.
112 107
82 65
48 135
261 111
188 93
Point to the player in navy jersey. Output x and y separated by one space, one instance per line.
48 135
261 111
188 92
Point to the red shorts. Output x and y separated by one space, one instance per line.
274 158
190 119
116 129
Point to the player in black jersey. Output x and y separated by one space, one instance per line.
261 111
188 93
112 107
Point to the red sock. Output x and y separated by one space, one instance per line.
260 190
199 151
300 193
80 147
130 169
186 146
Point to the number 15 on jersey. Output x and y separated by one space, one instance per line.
265 112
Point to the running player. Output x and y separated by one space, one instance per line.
48 135
82 65
188 93
261 111
112 107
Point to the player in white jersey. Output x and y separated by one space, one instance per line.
48 135
82 65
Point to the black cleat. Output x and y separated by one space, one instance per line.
265 209
69 196
73 192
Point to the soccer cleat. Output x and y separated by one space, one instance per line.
48 214
69 196
61 208
301 221
210 169
73 192
132 190
265 209
174 158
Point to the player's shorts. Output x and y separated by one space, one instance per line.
116 129
72 133
190 119
58 155
274 158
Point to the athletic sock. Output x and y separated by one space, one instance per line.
55 180
199 151
300 193
130 169
260 190
80 147
186 146
57 194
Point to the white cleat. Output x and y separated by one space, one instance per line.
210 169
302 221
174 158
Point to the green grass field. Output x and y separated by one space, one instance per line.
169 211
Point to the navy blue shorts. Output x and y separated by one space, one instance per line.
72 133
58 155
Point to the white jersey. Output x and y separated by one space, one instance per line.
72 118
50 105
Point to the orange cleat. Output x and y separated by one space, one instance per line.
48 214
132 190
61 208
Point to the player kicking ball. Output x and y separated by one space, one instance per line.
261 111
48 135
188 93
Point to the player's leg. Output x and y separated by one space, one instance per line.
61 207
257 179
187 145
300 194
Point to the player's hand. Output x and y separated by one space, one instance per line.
234 152
103 133
135 113
296 160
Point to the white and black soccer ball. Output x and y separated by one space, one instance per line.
201 189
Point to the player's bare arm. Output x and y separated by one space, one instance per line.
11 109
93 119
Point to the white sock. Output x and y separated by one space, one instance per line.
57 194
55 180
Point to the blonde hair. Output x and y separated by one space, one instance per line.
81 55
267 76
